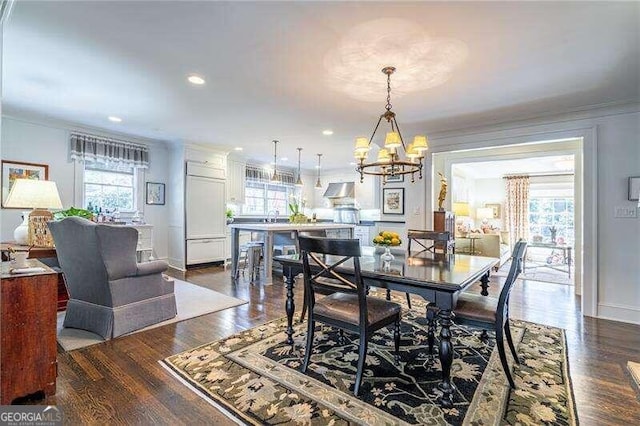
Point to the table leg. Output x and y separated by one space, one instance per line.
484 283
235 252
290 307
268 257
446 358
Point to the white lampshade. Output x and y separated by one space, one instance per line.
362 145
420 143
484 213
392 140
384 156
36 194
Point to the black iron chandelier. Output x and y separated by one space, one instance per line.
389 162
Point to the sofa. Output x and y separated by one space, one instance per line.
490 245
110 294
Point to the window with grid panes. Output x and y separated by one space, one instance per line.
545 212
262 198
110 188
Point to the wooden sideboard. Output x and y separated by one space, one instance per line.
27 332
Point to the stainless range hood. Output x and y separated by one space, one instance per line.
340 190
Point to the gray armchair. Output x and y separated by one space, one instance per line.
110 294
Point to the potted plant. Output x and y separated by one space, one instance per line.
229 214
296 215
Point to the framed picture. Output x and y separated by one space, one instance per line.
155 193
12 170
393 200
396 178
496 210
634 188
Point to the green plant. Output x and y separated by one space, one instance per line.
72 211
229 214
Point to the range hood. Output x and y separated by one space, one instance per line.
340 190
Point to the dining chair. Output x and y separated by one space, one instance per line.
347 307
491 313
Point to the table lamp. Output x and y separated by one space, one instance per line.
37 195
484 214
461 210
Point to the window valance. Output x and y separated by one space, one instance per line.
259 174
96 149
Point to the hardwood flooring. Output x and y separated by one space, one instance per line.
121 381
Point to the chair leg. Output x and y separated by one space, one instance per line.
304 304
507 333
408 300
388 294
396 338
307 354
341 340
484 336
362 355
503 357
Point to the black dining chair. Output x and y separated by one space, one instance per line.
347 307
491 313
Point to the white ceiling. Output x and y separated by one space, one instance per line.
498 169
266 67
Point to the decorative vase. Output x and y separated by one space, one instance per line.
387 256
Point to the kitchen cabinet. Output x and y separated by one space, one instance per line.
236 180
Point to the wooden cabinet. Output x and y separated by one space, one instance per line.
28 333
236 180
444 221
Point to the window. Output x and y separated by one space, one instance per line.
547 212
261 198
109 188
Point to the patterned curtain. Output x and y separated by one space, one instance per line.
111 152
517 208
259 174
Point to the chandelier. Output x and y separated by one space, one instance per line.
389 162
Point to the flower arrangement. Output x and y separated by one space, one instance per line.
296 215
387 239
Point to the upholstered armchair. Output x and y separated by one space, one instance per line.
110 294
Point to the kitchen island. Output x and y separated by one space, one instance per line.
268 230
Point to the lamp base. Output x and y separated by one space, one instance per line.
21 233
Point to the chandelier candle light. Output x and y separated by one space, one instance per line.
389 161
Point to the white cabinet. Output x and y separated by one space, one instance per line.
205 250
236 179
366 192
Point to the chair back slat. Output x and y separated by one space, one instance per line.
440 239
517 258
328 280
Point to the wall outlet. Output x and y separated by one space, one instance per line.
416 211
626 212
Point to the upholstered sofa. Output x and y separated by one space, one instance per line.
110 294
490 245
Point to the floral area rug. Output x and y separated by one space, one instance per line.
254 377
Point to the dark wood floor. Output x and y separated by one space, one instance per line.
121 381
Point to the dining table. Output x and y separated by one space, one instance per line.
437 277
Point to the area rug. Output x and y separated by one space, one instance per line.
634 372
254 378
191 300
536 272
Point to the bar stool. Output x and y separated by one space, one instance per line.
253 252
285 249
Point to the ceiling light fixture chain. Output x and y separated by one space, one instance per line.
299 180
318 183
389 161
274 178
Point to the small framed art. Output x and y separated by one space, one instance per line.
393 201
155 193
12 170
634 188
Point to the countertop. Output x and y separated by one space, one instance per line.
289 226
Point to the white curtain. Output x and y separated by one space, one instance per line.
517 208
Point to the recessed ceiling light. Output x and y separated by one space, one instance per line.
238 148
327 132
284 159
352 163
196 79
114 119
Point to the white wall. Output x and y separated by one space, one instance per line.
612 281
47 142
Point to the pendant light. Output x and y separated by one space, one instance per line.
318 183
274 178
299 181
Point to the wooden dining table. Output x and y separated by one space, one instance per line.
438 278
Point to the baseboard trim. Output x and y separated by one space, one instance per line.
616 312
